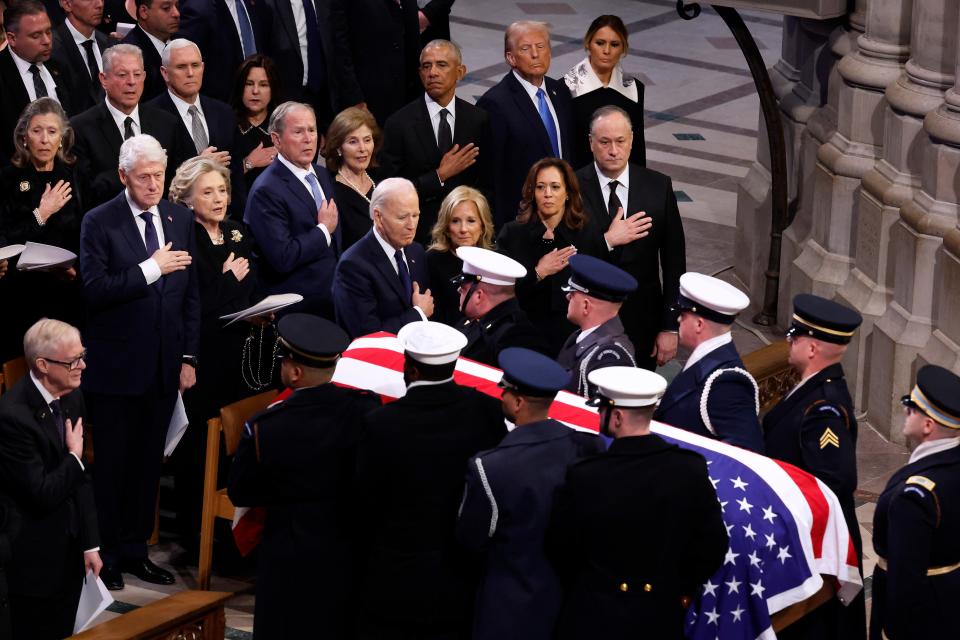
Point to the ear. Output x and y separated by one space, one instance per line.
461 72
510 58
123 176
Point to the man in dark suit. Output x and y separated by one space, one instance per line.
530 115
292 215
632 584
101 129
436 140
227 32
415 580
434 19
713 396
41 445
508 499
142 332
299 37
297 460
641 224
378 44
26 70
382 281
77 49
157 21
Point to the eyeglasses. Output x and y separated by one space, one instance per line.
72 365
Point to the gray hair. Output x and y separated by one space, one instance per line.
45 336
120 50
609 110
386 190
277 120
173 45
522 26
181 187
449 44
141 148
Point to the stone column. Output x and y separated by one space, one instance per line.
916 239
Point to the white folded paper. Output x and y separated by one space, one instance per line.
94 599
265 306
177 427
123 28
10 251
37 257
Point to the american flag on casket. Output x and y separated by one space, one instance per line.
785 526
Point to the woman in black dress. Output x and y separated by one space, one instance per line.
464 220
550 227
255 90
41 201
351 144
598 80
227 284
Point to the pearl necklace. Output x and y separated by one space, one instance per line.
355 187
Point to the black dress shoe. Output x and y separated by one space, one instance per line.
147 571
111 577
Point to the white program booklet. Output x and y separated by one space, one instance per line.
178 426
94 599
37 257
267 305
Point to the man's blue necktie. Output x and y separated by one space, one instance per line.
547 118
246 30
404 274
315 189
315 59
150 233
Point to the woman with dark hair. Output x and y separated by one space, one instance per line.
255 93
598 81
550 227
352 141
42 202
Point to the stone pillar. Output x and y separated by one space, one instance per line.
916 239
883 50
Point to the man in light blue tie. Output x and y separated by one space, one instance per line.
530 114
292 215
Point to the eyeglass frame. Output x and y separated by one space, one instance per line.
71 365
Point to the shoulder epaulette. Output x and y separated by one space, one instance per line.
921 481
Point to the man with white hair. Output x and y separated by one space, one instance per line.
101 129
530 115
292 215
382 281
41 431
143 329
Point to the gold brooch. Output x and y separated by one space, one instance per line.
24 186
236 236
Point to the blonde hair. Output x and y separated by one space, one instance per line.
187 175
45 336
439 238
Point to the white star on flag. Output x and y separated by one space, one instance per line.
771 543
754 559
783 554
769 515
737 613
729 529
712 615
733 585
749 532
710 589
744 505
757 589
731 557
739 484
714 482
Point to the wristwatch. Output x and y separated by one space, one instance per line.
247 165
190 360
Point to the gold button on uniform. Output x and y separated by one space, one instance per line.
624 587
648 587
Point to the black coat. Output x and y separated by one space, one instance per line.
544 300
14 96
98 141
84 91
297 460
438 13
916 526
410 151
354 212
583 107
443 267
647 312
506 325
611 498
519 137
153 83
410 482
52 492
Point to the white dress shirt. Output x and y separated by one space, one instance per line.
300 21
623 189
157 42
433 108
931 447
301 175
586 332
24 68
389 250
120 116
183 108
532 92
706 347
149 267
79 38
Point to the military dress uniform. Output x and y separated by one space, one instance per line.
916 527
297 460
626 571
814 428
506 508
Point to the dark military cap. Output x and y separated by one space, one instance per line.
823 319
599 279
310 340
937 394
529 373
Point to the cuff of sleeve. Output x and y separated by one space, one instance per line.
95 549
151 270
82 468
326 232
423 316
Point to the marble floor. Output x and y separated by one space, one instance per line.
701 129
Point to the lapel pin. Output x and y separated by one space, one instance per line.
24 186
169 218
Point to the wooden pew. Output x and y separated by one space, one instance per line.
197 615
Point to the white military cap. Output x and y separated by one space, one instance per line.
626 387
710 298
431 342
483 265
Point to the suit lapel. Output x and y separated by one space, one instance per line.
424 129
128 228
379 260
285 11
594 195
46 423
297 188
14 81
108 128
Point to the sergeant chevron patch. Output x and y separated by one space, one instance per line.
829 438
